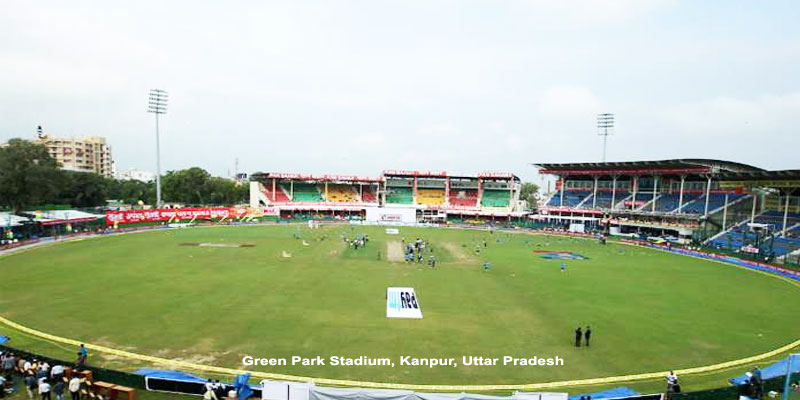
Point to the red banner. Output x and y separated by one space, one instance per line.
327 177
394 172
174 214
489 174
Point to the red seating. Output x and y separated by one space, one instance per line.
368 196
280 195
464 198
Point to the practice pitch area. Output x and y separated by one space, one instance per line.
214 295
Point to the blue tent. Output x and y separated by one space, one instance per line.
777 369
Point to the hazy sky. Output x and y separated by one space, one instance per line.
361 86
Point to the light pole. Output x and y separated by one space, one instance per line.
157 104
605 127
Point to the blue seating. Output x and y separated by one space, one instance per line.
604 198
670 202
740 234
734 239
715 201
782 245
571 198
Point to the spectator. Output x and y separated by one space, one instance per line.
83 353
30 384
8 363
757 382
209 395
209 386
57 372
672 383
58 389
219 389
44 389
75 387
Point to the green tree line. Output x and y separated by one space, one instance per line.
29 177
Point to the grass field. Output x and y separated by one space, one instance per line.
150 294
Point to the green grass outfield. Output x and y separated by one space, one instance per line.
147 293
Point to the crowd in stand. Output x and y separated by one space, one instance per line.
39 378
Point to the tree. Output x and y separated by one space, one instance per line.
195 186
28 175
223 191
529 193
132 191
185 186
83 189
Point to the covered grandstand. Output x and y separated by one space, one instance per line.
773 229
725 204
435 195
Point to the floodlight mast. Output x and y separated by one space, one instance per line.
157 104
605 127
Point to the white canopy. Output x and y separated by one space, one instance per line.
50 217
8 219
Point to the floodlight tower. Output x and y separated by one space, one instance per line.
157 104
605 127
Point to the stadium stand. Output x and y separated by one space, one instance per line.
435 194
430 197
571 198
642 200
339 193
399 195
604 198
463 198
734 239
368 195
308 192
496 198
782 246
281 195
669 202
715 201
741 234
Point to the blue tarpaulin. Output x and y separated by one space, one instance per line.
4 339
621 391
168 374
777 369
242 388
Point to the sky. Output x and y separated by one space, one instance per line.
359 86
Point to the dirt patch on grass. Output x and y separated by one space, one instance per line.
207 359
394 251
201 353
459 253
